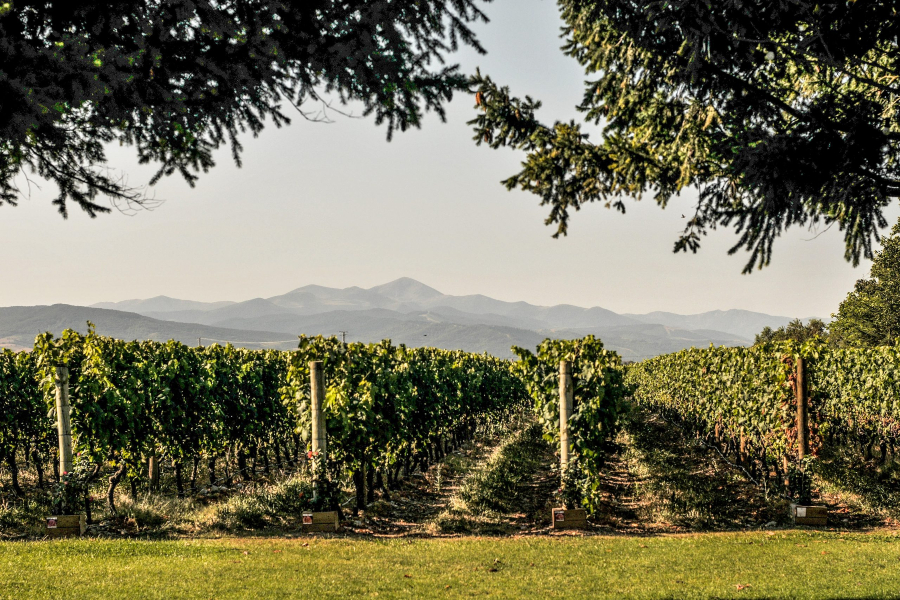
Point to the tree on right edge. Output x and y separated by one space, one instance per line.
870 315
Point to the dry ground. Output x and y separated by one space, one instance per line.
656 480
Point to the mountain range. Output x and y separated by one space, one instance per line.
405 311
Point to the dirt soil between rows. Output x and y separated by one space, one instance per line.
656 480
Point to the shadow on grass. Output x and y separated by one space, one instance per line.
869 491
510 489
679 481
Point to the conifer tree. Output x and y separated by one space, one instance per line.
176 79
780 114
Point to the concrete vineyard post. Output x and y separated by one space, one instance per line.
802 410
566 401
317 386
63 424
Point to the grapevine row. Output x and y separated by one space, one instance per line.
599 395
389 409
746 397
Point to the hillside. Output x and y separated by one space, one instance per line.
744 323
20 324
405 311
637 342
405 296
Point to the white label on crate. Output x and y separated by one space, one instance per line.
801 511
307 518
51 523
559 515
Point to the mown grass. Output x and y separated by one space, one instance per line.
498 486
792 564
495 486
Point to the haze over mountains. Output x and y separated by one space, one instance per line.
405 310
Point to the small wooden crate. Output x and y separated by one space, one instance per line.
569 518
60 526
809 515
320 521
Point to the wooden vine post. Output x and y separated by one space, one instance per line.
73 524
318 521
802 409
63 423
153 472
566 517
317 395
566 405
804 515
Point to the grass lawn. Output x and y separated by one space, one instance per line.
793 564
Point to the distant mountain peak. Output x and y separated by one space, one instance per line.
407 289
321 309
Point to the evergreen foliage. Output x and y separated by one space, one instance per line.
781 114
795 331
177 79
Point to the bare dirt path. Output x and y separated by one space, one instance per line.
427 504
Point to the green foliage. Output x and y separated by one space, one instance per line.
598 376
575 487
130 400
781 114
749 392
677 481
23 516
23 414
325 490
67 496
870 315
385 402
856 392
599 392
495 486
181 78
269 505
134 399
741 391
795 331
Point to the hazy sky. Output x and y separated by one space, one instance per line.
336 205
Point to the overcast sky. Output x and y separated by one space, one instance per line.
336 205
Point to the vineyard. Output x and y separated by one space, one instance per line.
746 400
598 401
168 420
233 413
